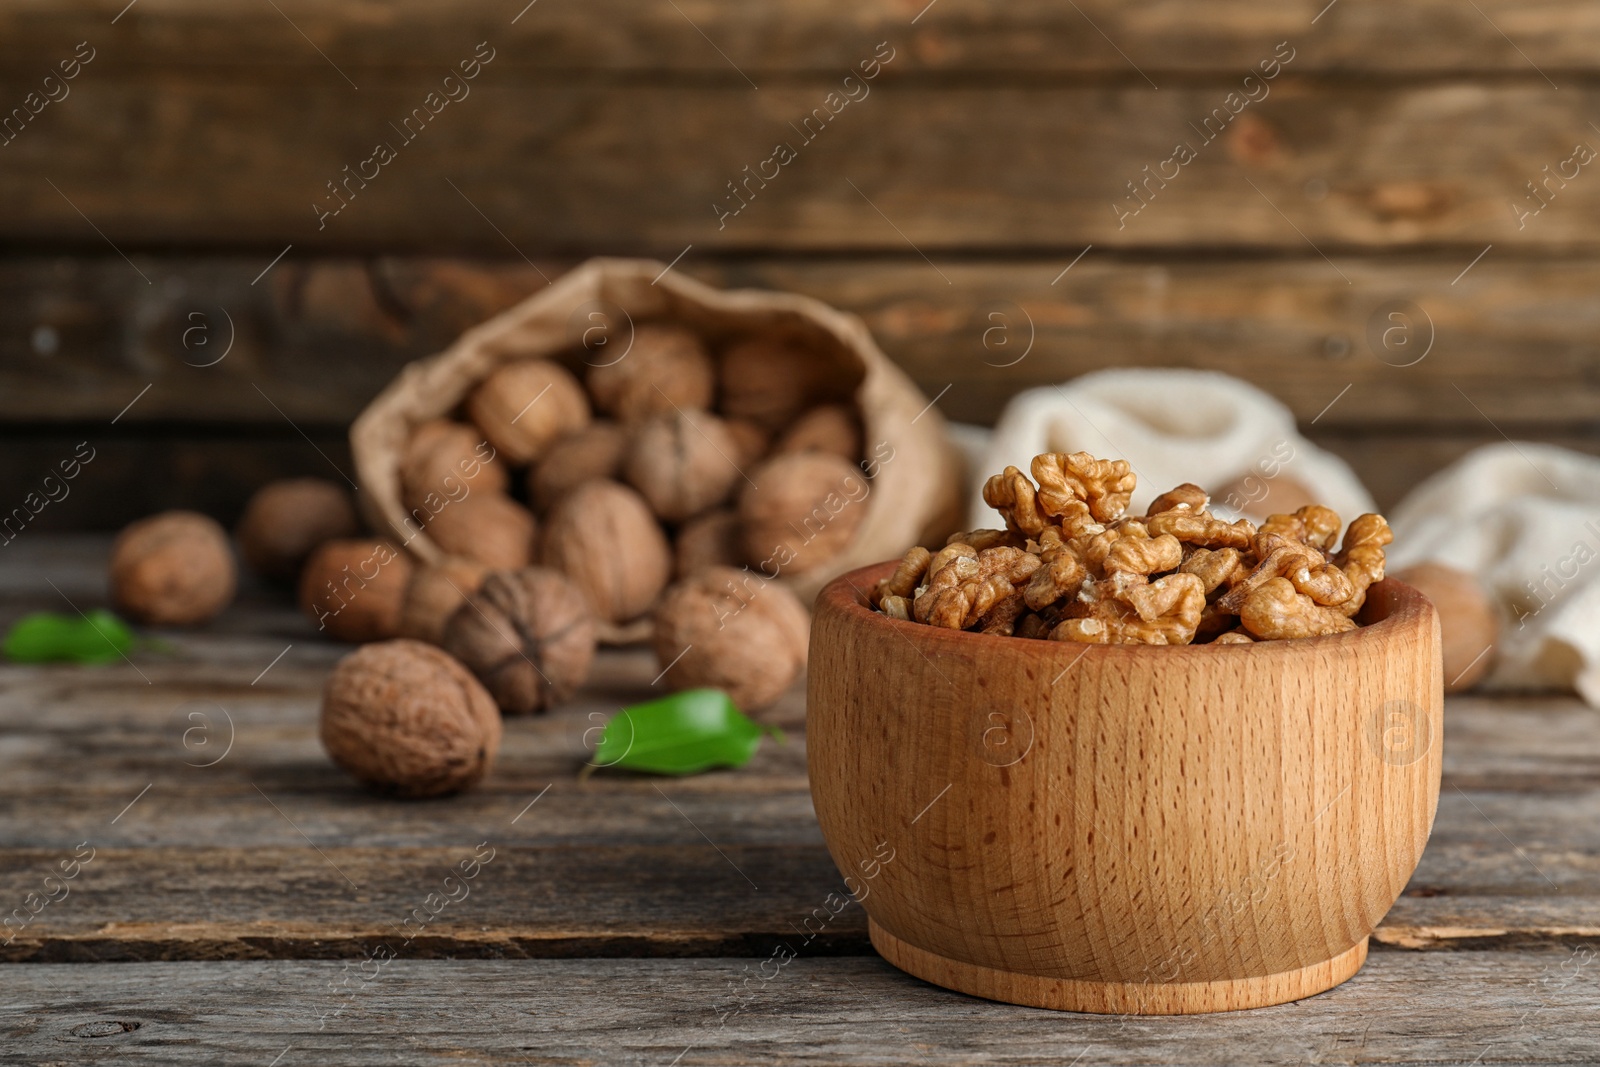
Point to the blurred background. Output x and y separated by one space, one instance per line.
1382 216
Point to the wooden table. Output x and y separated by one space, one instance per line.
240 890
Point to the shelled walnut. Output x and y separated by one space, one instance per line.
1072 566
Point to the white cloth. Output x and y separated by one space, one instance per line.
1524 518
1172 426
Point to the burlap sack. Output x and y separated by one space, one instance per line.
916 493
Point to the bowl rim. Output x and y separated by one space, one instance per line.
1408 609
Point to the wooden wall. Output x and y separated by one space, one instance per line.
1384 167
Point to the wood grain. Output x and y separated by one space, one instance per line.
817 36
318 338
556 168
1403 1008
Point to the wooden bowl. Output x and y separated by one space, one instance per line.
1122 828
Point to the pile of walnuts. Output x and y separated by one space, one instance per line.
654 494
626 472
1071 566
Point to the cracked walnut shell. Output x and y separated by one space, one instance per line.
405 718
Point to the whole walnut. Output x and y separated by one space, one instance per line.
831 428
802 510
752 439
404 718
444 459
355 589
595 451
529 635
603 537
771 379
667 366
682 463
285 520
172 569
1468 626
708 540
433 595
524 407
730 629
488 527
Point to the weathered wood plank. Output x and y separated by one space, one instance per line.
954 36
220 830
223 840
317 339
1402 1008
581 164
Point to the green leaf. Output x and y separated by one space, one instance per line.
50 637
685 733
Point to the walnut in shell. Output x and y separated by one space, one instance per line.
355 589
446 460
524 407
285 520
830 428
771 379
752 440
682 463
801 511
595 451
529 635
666 368
730 629
488 527
405 718
603 537
172 569
708 540
434 594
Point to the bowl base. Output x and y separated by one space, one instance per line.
1117 998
